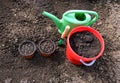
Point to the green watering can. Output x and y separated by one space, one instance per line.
73 18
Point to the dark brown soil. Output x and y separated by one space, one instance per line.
85 44
47 46
22 19
27 48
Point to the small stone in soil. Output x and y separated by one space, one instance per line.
27 48
24 81
8 80
88 38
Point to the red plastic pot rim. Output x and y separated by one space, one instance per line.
95 33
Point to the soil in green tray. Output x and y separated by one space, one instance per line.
85 44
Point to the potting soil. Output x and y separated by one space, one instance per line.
85 44
27 49
47 46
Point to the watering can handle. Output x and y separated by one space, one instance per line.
85 11
87 64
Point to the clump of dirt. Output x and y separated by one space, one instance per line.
85 44
47 46
27 48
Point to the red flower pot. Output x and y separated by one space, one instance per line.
46 47
77 59
27 49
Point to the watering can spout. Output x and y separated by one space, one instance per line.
53 18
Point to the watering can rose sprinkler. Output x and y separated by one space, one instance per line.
73 18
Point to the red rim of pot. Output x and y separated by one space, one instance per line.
28 55
95 33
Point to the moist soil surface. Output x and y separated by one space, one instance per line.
22 20
85 44
47 46
27 48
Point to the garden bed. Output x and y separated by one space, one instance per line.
22 19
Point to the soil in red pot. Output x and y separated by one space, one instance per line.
27 48
47 46
85 44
